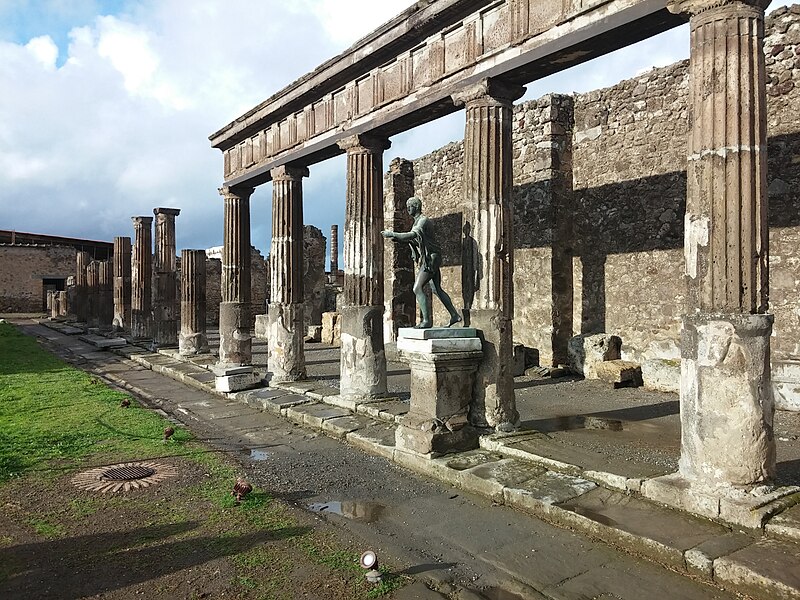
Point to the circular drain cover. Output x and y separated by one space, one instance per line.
123 477
127 473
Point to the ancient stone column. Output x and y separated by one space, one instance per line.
165 296
363 359
93 294
192 339
487 187
399 271
235 344
105 304
63 304
81 293
286 309
334 251
122 283
141 277
726 400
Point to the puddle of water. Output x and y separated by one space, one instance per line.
256 454
364 512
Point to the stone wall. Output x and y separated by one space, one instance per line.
22 269
622 226
314 245
258 282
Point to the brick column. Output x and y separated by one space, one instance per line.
122 283
235 343
141 278
286 308
81 308
165 297
488 182
93 294
726 400
105 304
399 272
193 339
363 360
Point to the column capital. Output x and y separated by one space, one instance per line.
243 193
167 211
695 7
492 91
146 221
364 143
288 173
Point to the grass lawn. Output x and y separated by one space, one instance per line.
181 538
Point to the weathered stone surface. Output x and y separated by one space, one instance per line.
363 362
141 278
313 333
331 329
619 373
314 244
586 351
760 569
166 307
786 385
262 327
286 360
193 339
122 283
662 374
236 383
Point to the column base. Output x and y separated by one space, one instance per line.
363 361
235 342
286 359
745 506
495 404
190 344
726 400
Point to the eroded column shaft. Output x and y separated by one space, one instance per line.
234 310
726 402
122 283
286 308
105 308
487 187
193 338
81 309
141 277
363 359
334 250
165 297
93 293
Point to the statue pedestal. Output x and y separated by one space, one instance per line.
443 363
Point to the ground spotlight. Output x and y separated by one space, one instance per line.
369 561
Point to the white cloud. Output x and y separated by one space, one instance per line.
44 50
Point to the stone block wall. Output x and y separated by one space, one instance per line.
314 245
620 224
22 270
258 282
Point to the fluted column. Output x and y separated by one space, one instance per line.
334 251
363 359
487 186
122 283
165 297
726 401
193 339
81 309
141 277
93 293
286 308
235 344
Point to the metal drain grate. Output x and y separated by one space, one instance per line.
123 477
127 473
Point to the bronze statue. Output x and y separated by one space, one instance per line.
428 257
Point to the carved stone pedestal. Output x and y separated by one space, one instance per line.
443 364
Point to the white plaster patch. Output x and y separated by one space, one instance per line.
697 230
588 134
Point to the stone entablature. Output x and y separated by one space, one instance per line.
404 73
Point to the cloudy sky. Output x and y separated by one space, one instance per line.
107 105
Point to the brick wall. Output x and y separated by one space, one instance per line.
22 269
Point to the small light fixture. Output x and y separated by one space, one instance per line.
369 561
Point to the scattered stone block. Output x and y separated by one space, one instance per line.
262 327
314 334
524 358
786 385
331 329
585 352
620 373
662 374
235 379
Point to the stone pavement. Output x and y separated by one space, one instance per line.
578 462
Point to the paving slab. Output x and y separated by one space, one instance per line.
339 427
385 410
761 570
547 488
700 559
315 413
490 478
786 525
376 439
